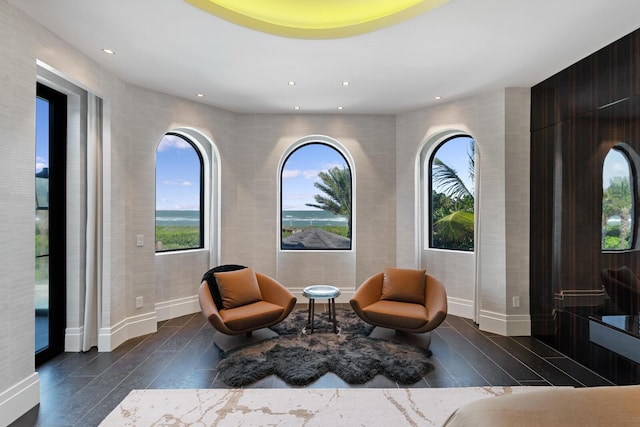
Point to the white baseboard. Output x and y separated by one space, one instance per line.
506 325
166 310
131 327
19 399
460 307
73 339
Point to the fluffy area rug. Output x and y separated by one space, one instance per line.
300 359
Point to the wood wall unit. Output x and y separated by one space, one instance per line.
577 116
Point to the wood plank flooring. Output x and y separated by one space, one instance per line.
81 389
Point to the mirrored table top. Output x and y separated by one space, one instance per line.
321 292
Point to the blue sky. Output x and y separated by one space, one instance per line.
42 134
177 175
454 154
615 165
301 172
178 179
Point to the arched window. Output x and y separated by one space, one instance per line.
316 199
179 194
451 185
617 201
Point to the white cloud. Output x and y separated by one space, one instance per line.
172 141
290 173
313 173
310 174
179 183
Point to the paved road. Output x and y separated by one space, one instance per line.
315 238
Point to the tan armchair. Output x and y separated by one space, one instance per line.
403 300
236 301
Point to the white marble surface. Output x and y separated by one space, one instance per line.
297 407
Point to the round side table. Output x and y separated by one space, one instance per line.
327 292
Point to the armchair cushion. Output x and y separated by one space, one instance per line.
210 278
247 316
238 288
403 285
397 315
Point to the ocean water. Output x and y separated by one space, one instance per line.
308 218
289 218
178 218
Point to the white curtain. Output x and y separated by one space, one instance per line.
93 274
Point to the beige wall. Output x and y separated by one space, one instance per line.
17 127
383 149
498 121
250 198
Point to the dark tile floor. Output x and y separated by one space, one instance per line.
81 389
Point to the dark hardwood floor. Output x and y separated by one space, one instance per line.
81 389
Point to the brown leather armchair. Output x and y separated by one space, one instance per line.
401 299
236 300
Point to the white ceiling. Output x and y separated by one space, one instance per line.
460 49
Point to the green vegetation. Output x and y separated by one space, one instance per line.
42 244
452 209
336 185
177 237
616 214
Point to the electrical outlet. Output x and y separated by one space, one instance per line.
139 302
140 240
516 302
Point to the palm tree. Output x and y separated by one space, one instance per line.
336 185
455 224
616 202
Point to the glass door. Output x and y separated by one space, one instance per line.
42 224
50 230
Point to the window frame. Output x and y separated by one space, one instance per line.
631 158
305 142
202 228
430 189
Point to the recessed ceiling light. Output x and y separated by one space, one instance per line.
346 83
109 51
291 83
296 108
437 97
200 95
340 108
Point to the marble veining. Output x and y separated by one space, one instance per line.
296 407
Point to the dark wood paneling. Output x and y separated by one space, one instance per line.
577 116
607 76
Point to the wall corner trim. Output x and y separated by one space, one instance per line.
19 398
131 327
178 307
460 307
73 339
505 324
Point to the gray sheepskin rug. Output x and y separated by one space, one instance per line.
301 359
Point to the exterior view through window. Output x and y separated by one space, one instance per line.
316 199
617 201
452 168
179 195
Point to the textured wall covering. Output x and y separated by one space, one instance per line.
252 215
17 127
383 149
495 121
